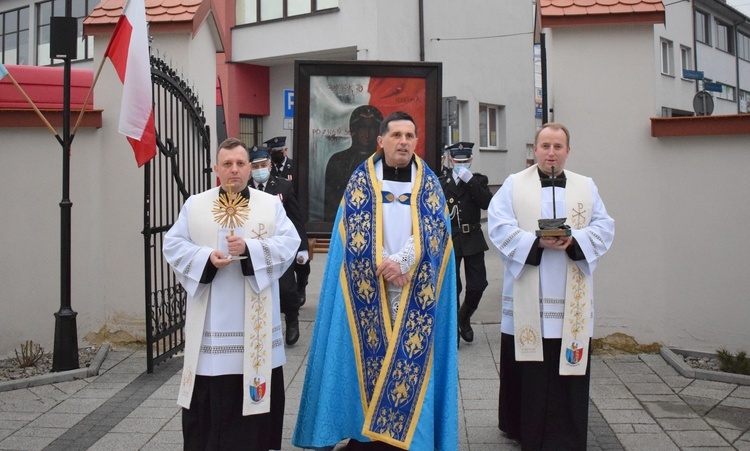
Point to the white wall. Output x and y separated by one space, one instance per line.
106 188
674 274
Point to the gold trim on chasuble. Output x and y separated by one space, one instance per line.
393 362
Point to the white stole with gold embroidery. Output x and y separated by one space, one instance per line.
257 361
527 203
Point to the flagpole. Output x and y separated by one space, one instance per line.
88 97
31 102
65 355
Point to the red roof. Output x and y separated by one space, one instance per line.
162 15
44 86
558 13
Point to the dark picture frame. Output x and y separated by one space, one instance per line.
330 99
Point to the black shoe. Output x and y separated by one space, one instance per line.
302 298
292 332
464 322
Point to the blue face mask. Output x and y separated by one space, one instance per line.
260 175
458 166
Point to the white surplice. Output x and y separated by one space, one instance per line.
515 244
224 327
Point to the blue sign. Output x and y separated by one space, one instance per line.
715 87
692 74
288 103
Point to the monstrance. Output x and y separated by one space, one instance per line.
231 211
553 226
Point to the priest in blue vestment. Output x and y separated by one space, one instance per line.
382 369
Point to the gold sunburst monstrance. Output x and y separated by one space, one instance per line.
230 210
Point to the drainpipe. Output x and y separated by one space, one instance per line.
421 30
543 57
737 63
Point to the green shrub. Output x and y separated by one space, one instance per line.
30 354
730 363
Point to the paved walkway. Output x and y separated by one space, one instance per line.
638 402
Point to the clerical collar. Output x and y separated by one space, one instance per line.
546 180
397 174
244 193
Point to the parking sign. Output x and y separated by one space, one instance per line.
288 103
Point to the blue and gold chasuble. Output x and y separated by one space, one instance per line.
390 380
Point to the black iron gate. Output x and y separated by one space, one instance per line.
182 167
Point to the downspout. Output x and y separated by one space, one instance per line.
737 63
421 30
543 57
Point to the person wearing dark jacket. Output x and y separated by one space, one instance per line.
263 180
467 194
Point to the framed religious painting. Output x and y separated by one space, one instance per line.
339 106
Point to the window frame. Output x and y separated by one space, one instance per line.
85 51
743 46
21 56
724 37
485 132
686 60
250 12
256 134
703 29
667 57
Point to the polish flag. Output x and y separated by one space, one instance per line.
128 51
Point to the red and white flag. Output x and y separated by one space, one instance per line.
128 51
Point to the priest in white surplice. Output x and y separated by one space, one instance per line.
228 248
548 313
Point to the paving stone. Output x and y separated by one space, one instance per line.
670 410
659 441
627 416
489 403
733 401
683 424
21 442
480 418
647 388
486 434
151 425
609 391
480 389
154 412
478 371
617 403
624 428
697 438
620 368
708 389
743 391
701 406
78 405
57 420
729 435
647 428
630 378
729 417
121 442
676 382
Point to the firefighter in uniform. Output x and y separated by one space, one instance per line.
467 194
262 179
283 168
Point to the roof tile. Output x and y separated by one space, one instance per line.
585 2
562 3
553 11
575 10
157 11
620 9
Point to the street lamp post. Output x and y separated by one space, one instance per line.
65 355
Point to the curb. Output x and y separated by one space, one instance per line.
670 355
61 376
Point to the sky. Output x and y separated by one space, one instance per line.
742 5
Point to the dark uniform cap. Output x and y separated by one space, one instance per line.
461 151
278 142
258 153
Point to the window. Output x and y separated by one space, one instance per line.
451 120
686 58
56 8
667 57
14 36
724 37
744 101
702 27
491 125
743 46
251 130
253 11
727 93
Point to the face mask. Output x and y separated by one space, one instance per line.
458 166
277 157
261 175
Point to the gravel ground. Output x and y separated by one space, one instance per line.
9 369
702 363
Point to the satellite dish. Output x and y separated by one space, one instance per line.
703 103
